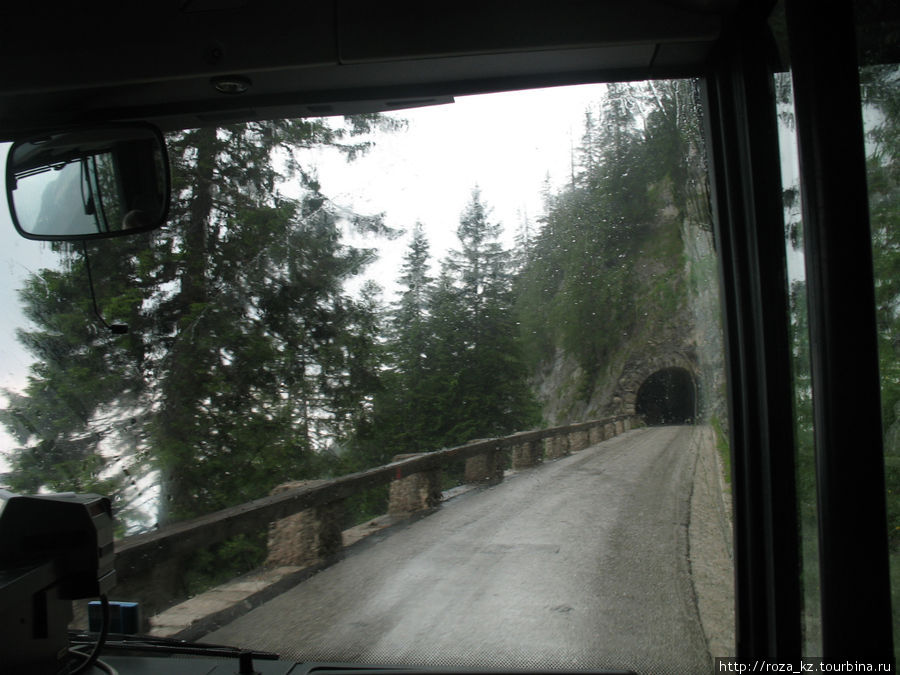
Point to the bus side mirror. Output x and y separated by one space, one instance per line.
88 183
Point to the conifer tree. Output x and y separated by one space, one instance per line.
403 406
454 368
492 393
245 357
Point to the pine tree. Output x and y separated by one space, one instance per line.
402 409
245 357
492 394
410 318
454 368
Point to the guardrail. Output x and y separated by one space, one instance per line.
304 519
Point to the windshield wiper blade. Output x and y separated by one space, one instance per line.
147 644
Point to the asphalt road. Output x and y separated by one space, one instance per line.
578 564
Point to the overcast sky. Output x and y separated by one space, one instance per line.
506 144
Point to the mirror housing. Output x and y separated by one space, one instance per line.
88 183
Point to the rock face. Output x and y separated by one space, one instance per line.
678 341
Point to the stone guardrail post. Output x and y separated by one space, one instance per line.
308 537
620 427
556 446
415 492
526 455
486 467
597 434
579 440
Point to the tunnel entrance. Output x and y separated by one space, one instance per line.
668 396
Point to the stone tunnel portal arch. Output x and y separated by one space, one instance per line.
668 396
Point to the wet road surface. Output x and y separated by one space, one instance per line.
580 563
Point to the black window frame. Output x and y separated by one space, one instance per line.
744 169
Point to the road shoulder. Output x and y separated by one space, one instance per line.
710 546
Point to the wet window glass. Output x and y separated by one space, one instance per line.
512 300
880 93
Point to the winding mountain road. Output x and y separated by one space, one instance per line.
580 563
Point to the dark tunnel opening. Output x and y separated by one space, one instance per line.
668 396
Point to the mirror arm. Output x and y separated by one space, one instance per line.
116 328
